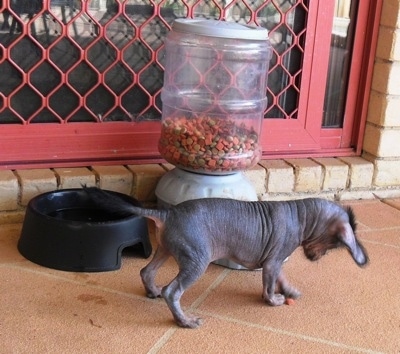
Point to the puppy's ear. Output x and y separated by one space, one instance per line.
356 249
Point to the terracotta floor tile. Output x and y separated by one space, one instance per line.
394 202
340 302
231 336
390 237
343 309
376 214
60 316
9 235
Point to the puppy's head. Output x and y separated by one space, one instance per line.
340 232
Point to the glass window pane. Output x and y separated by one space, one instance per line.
339 63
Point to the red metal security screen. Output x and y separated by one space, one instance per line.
111 56
81 61
80 80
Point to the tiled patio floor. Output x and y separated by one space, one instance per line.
344 309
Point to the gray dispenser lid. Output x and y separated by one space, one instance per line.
221 29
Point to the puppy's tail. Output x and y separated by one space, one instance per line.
113 204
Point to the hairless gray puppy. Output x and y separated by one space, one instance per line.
253 234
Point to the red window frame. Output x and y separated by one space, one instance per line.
305 137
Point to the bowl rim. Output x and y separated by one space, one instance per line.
34 207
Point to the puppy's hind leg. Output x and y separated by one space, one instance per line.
149 272
172 293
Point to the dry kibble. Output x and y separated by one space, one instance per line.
289 301
209 145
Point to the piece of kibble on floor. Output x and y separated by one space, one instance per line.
289 301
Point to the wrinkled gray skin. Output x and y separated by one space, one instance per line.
253 234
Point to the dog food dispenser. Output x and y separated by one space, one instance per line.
214 95
213 103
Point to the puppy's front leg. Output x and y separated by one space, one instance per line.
285 288
270 275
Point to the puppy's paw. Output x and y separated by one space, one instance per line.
153 296
276 300
189 322
154 292
291 293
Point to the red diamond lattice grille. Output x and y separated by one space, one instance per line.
65 61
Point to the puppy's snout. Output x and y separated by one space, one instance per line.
360 257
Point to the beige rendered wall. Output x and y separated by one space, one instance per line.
382 136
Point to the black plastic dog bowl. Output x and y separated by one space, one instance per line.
65 230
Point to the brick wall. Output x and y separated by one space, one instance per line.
333 178
382 135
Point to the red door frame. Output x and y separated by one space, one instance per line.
349 139
289 137
301 134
